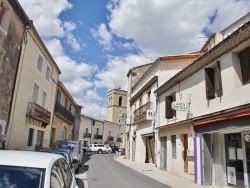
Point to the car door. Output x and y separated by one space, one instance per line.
68 177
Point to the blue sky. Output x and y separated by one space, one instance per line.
96 42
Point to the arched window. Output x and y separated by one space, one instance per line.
120 101
64 133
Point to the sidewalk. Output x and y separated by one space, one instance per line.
162 176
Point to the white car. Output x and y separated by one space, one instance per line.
108 149
26 169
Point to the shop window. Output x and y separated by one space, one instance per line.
213 81
244 58
169 112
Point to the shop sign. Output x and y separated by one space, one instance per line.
180 106
231 175
150 115
190 152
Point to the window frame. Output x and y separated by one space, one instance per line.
39 64
169 112
47 74
244 62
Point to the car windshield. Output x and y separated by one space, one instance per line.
69 145
14 176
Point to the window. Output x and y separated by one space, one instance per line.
109 133
169 112
213 81
93 123
173 142
244 58
86 130
48 73
97 131
120 101
35 93
149 93
40 63
39 139
56 178
30 137
70 107
58 97
44 100
64 133
67 104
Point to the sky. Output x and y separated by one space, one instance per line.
96 42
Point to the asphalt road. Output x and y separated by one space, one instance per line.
104 172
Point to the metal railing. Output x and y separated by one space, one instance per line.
119 139
141 112
110 138
97 136
86 135
64 113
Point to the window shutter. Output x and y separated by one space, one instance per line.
169 112
218 75
209 83
244 64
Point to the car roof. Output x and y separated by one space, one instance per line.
28 158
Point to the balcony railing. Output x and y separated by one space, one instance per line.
39 113
96 136
119 139
86 135
64 112
140 113
110 138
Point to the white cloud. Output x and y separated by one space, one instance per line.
104 37
116 70
173 26
43 17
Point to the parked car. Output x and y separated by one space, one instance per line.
67 154
114 149
73 146
96 148
30 169
108 149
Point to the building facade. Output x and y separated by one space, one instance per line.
13 26
34 97
143 104
64 120
204 130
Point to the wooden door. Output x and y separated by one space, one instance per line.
185 153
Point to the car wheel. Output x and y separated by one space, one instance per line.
109 151
99 151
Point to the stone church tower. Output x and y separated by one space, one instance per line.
116 106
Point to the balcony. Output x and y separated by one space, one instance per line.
64 113
38 113
110 138
86 135
119 139
97 136
140 113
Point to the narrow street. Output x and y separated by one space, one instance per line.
103 171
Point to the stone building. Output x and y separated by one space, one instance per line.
13 28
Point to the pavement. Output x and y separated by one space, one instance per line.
162 176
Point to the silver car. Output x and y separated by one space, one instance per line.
73 146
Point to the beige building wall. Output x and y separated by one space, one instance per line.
113 130
29 76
